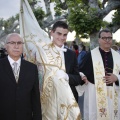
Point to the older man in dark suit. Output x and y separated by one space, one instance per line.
19 87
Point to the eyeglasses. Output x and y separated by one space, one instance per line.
15 43
106 38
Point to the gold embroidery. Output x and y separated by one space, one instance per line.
102 91
102 101
66 109
46 90
49 58
79 117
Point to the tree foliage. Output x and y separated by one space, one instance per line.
86 17
40 14
116 17
83 22
10 22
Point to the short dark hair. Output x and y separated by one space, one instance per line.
60 24
74 42
104 30
75 47
83 47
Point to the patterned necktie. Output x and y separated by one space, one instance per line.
15 71
15 67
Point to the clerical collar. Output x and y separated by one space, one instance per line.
102 51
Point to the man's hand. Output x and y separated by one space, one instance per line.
84 78
110 78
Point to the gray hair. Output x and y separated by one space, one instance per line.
11 35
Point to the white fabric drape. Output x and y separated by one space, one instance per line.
57 100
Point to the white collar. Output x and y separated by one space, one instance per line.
61 48
12 61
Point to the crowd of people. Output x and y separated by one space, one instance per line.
67 70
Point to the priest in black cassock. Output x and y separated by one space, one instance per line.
101 66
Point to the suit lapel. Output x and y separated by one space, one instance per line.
8 70
22 69
67 60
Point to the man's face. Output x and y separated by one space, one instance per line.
59 36
14 47
105 40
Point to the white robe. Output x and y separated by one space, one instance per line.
90 106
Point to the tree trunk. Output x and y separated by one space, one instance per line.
93 40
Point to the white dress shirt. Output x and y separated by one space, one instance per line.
12 61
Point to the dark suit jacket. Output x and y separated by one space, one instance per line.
19 101
72 71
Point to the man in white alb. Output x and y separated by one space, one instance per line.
101 67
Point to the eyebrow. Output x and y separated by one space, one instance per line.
15 41
61 33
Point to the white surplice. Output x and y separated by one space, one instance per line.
99 99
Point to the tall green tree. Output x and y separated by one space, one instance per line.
86 17
83 16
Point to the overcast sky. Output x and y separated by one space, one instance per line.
10 8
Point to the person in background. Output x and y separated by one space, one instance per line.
81 54
19 84
75 49
65 45
87 49
72 43
115 47
101 66
80 58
